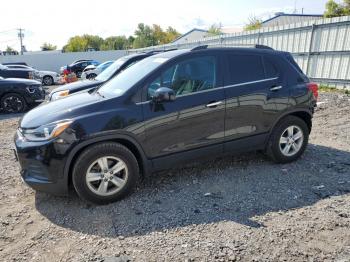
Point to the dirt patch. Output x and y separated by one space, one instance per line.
230 209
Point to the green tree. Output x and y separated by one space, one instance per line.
158 35
10 49
48 47
333 9
170 35
82 43
253 24
215 29
144 36
76 44
115 43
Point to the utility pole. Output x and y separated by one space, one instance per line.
21 35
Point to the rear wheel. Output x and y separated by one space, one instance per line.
288 140
105 173
78 73
13 103
91 76
48 80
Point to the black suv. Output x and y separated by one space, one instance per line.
167 109
17 94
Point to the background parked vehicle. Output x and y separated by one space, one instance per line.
15 63
48 77
88 68
79 66
27 73
165 110
111 71
17 95
91 73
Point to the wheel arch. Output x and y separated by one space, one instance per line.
125 140
304 114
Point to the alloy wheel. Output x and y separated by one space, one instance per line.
107 175
291 140
13 104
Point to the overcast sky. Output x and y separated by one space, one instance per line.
55 21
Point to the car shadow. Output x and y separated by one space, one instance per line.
235 188
6 116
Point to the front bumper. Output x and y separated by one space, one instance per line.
42 165
36 98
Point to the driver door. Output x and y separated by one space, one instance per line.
194 122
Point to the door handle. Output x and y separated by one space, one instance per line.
275 88
213 104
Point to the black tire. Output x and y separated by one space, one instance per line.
48 80
78 73
274 150
89 156
91 76
13 103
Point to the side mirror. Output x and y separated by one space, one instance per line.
163 94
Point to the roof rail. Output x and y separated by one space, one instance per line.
233 45
200 47
159 51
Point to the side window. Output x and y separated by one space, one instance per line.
270 68
245 68
190 76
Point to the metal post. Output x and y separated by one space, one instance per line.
21 35
310 48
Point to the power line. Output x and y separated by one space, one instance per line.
7 31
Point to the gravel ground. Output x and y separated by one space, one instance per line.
242 208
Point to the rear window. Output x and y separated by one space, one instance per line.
245 68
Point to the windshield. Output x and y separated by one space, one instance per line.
104 65
130 76
109 71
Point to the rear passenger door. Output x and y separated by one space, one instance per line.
250 99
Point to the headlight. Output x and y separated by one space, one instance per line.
60 94
46 132
31 89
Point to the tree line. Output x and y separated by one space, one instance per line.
144 36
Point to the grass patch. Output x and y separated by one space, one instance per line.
325 88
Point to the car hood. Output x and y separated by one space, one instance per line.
79 85
19 80
68 108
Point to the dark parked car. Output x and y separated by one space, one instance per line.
15 63
17 94
167 109
111 71
27 73
79 66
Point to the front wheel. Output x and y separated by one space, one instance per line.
288 140
13 103
105 173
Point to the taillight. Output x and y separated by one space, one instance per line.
313 87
